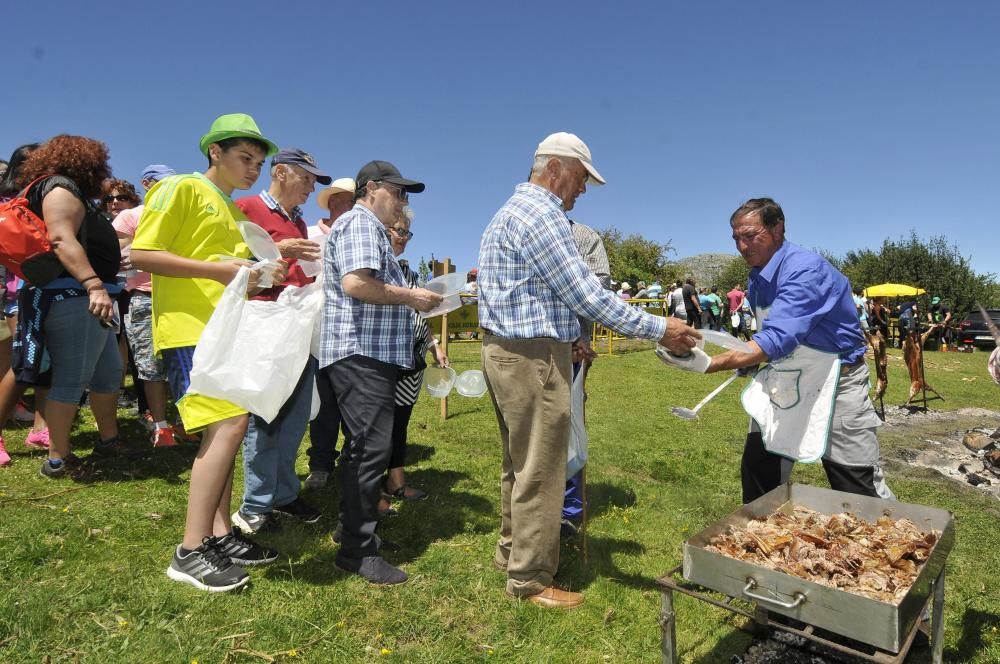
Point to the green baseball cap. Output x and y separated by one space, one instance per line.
935 300
234 125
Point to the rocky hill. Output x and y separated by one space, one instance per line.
705 268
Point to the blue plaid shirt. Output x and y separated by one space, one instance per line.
270 201
533 283
358 241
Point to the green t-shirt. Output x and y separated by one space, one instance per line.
716 303
189 216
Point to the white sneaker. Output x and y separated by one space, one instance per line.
317 479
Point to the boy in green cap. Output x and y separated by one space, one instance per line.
189 221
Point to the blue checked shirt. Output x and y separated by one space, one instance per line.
533 283
358 241
270 201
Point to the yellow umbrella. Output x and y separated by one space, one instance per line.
893 290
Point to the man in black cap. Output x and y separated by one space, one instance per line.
367 336
270 448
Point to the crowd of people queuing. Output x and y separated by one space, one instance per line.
133 285
137 284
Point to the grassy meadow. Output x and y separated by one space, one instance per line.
82 560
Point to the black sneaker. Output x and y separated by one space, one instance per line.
207 569
51 471
242 551
301 510
115 447
373 569
568 529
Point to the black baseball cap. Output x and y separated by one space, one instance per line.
383 171
302 159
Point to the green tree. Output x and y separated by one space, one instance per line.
933 265
635 258
737 272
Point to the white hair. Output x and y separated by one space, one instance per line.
542 160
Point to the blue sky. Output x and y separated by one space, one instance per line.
863 119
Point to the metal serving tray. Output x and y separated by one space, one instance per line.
860 618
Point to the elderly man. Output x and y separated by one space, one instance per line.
324 429
336 199
532 286
367 336
270 448
811 401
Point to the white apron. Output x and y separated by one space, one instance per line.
792 401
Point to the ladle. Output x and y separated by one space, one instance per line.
692 414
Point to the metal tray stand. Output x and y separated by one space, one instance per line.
889 628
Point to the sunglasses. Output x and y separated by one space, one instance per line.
400 190
121 198
403 235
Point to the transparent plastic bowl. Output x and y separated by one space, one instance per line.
471 383
439 381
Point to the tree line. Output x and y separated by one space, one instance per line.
934 265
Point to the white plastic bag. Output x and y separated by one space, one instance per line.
576 458
252 352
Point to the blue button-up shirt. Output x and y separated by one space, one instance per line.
809 302
533 283
358 241
270 201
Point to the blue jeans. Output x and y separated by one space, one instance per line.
269 450
573 498
84 353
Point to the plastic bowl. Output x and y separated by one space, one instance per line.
471 383
448 304
439 381
725 340
446 284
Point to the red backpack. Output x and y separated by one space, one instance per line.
25 249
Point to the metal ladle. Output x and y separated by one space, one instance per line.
689 414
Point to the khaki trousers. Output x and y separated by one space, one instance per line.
529 383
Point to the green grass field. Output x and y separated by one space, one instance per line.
82 561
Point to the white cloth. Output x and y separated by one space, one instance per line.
792 401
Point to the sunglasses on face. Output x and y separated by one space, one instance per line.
398 190
402 233
121 198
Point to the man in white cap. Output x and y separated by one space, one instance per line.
338 198
324 429
532 286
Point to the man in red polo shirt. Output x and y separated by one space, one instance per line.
270 448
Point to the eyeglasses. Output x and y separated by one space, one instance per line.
399 189
403 234
121 198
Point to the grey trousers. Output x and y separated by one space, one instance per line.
851 461
529 383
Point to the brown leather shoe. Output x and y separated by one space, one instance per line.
554 598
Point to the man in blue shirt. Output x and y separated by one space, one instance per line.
802 300
533 285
